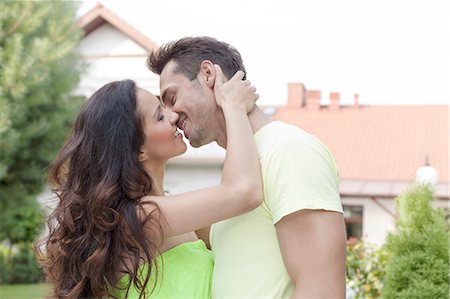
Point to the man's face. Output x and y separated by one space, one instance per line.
193 101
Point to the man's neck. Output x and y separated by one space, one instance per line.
257 120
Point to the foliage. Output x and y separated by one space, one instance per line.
38 70
18 265
418 263
365 269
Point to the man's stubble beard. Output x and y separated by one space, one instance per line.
204 135
198 139
208 130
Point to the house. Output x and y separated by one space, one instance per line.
378 149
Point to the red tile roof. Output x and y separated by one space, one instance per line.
379 143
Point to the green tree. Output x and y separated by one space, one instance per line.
38 70
418 252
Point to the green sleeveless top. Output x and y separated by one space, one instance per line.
184 271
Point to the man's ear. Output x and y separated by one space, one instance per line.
207 73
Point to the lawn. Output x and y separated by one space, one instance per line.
23 291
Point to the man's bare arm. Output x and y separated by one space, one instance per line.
313 245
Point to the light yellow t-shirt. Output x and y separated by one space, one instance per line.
298 173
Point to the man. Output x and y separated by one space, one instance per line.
293 245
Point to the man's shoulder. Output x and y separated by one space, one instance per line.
292 145
279 131
282 136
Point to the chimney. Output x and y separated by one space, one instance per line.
296 95
356 101
313 100
334 101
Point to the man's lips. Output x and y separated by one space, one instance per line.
181 123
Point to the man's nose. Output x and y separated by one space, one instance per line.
173 116
172 108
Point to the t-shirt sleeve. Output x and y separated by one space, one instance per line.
300 173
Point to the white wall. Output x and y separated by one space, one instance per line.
184 178
111 55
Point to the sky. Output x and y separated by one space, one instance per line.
389 52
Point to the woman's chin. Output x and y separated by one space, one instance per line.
184 149
180 152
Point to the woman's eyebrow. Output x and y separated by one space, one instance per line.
157 110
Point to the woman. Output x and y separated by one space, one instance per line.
114 233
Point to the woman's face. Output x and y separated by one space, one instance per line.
162 139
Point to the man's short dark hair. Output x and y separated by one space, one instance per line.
189 52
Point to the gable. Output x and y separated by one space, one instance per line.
107 40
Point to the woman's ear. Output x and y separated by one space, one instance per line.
142 156
207 73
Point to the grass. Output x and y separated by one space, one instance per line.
24 291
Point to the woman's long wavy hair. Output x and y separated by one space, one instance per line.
97 228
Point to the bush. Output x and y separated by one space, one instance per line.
19 265
365 269
418 263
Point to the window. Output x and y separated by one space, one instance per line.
353 216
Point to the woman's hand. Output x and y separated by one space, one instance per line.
234 92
